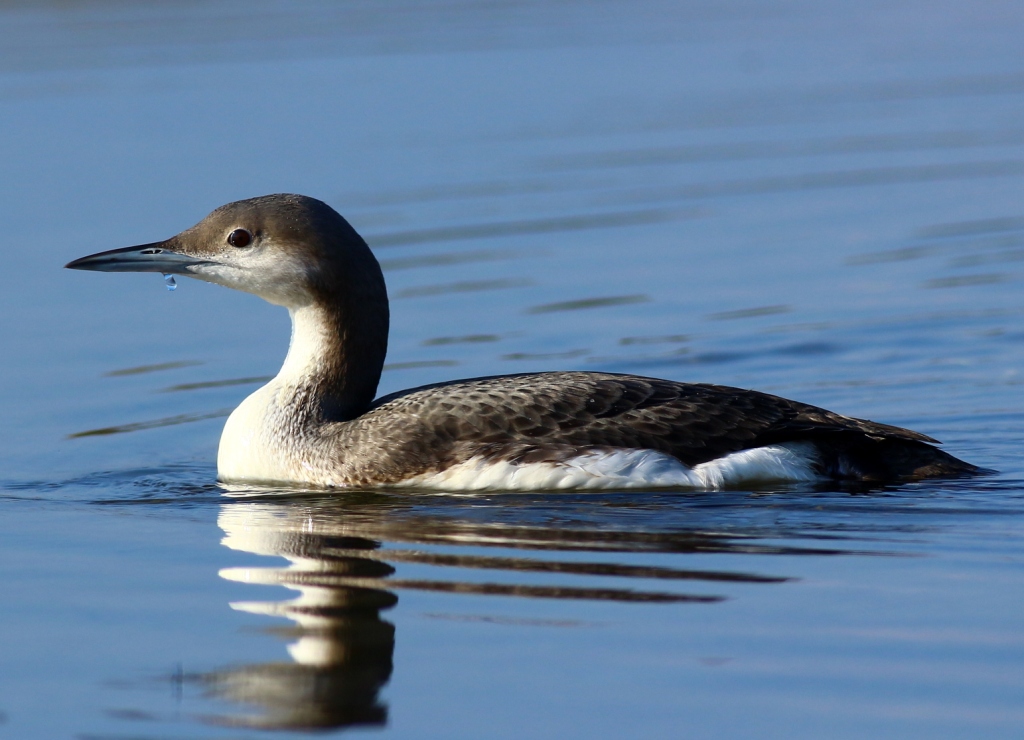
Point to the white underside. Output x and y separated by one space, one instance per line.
791 462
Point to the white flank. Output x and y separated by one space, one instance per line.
791 462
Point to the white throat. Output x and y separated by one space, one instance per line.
260 437
310 341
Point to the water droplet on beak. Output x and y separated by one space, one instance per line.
169 282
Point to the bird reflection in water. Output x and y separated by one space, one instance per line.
341 647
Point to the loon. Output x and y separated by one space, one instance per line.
316 424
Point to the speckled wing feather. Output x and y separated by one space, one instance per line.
553 416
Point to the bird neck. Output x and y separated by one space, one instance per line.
335 357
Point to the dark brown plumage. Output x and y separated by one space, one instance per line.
551 417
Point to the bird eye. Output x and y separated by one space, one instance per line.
240 238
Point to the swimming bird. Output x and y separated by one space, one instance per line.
317 423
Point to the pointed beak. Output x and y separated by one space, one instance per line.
155 257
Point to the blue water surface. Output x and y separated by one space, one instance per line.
816 199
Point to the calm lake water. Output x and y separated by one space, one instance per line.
821 200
